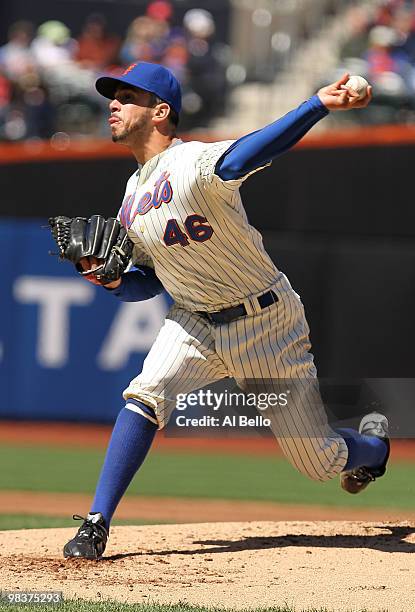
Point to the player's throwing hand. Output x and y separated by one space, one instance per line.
337 96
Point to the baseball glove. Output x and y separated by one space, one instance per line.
104 239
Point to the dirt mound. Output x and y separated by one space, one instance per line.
340 565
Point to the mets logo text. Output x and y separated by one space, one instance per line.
162 193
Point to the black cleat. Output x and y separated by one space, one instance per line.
91 539
354 481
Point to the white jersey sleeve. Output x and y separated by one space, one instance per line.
207 163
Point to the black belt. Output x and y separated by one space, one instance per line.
234 312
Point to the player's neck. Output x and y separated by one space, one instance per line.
158 143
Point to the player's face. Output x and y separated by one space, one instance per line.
131 114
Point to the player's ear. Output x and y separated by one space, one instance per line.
161 111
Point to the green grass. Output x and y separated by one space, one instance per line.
22 521
199 476
35 521
85 606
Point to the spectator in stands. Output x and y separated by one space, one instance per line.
389 67
164 38
136 43
387 59
206 72
403 24
41 76
148 35
379 54
383 57
38 112
176 55
357 43
28 112
16 56
146 40
53 45
97 48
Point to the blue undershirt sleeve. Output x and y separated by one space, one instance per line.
138 285
259 148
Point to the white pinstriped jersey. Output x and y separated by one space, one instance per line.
192 228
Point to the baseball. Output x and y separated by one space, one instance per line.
359 85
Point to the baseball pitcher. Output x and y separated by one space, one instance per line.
182 227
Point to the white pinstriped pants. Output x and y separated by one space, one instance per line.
269 346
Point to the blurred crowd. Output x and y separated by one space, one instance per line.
47 72
382 49
47 76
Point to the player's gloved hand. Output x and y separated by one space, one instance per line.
103 243
89 264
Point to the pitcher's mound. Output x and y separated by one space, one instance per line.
338 565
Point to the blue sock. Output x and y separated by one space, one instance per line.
363 450
130 442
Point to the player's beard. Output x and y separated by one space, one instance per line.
137 130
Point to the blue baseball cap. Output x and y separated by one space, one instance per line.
151 77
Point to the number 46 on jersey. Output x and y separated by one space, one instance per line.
196 229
